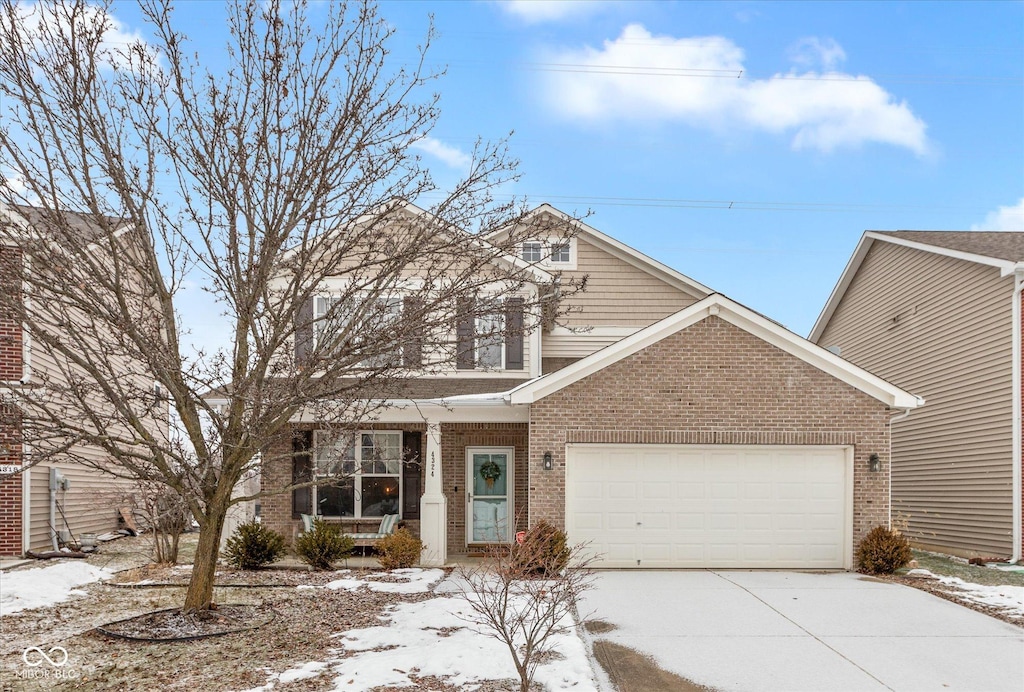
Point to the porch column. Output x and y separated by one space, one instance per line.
433 504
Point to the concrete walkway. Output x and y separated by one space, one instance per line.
757 630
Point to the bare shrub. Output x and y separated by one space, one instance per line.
526 596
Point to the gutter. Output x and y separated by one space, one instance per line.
1018 487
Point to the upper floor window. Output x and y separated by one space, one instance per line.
533 251
560 253
367 330
490 341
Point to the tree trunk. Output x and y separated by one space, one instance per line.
200 588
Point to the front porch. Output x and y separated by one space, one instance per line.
441 495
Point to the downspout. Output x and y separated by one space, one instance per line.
1018 283
894 419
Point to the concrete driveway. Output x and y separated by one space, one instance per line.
738 630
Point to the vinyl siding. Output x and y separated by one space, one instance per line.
618 294
90 505
942 329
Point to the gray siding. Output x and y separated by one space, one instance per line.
940 328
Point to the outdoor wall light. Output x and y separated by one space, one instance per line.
548 463
875 464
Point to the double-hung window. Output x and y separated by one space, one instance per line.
490 339
560 253
359 475
374 334
533 251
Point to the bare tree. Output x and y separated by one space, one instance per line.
527 595
144 176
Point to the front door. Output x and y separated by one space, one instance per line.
489 517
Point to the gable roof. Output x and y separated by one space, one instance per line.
623 252
738 315
1001 249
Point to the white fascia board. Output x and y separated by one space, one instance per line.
740 316
494 409
1006 268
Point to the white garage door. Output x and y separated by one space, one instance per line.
710 506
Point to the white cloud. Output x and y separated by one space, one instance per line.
536 11
1003 219
38 17
641 77
813 52
451 156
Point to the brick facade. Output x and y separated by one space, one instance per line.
455 438
711 383
11 520
11 369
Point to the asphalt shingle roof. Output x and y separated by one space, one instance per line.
1004 245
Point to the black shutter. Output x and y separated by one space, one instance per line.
514 334
412 349
465 356
302 472
304 333
412 470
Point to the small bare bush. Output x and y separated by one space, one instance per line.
324 545
883 551
526 596
399 550
253 545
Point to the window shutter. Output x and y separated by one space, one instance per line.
412 350
304 333
514 334
465 358
412 468
302 472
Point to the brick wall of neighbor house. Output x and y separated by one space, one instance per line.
10 326
712 383
455 438
10 487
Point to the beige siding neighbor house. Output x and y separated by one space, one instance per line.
939 313
662 423
44 505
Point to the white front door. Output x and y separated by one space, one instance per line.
489 517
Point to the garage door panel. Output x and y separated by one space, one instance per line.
688 506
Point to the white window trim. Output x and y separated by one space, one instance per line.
398 297
545 261
358 475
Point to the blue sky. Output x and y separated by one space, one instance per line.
815 120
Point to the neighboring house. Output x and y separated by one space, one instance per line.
53 501
665 424
939 313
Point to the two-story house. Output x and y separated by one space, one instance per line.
663 423
45 502
939 312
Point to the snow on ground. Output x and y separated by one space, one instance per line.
413 581
44 586
1004 597
434 638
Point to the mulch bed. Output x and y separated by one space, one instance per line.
951 593
172 624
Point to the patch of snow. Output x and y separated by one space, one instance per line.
1004 597
307 670
44 586
415 580
433 638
